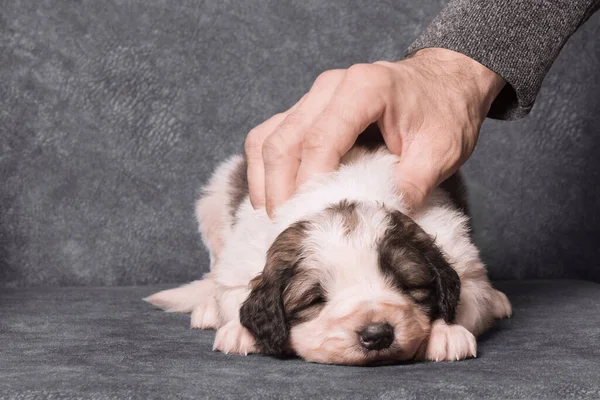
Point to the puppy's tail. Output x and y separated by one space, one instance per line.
184 298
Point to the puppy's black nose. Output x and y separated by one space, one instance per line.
377 336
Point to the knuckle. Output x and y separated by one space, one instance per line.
370 74
328 77
273 149
292 121
255 138
317 140
286 129
279 115
383 63
360 72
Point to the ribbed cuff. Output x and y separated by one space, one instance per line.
517 39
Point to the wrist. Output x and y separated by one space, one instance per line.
477 81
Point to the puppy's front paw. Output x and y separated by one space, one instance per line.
501 304
234 338
450 343
206 315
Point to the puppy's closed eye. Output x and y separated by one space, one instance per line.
306 304
417 281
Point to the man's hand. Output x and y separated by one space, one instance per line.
428 107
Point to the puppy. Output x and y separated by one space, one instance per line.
345 273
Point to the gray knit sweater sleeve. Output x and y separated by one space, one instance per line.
517 39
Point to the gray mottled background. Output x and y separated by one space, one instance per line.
113 113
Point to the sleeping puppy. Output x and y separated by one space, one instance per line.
344 274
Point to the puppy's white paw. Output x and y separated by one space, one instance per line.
450 343
234 338
206 315
501 304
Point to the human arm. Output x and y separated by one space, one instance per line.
429 106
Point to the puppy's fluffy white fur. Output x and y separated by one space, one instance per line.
342 261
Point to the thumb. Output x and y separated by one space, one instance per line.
415 180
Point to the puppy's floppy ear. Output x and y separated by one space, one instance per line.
403 249
447 284
263 313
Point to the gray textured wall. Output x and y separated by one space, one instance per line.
113 113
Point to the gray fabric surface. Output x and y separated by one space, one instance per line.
107 343
112 114
517 39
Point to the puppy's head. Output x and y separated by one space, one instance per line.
356 284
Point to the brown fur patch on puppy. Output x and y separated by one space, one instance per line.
411 259
263 313
347 211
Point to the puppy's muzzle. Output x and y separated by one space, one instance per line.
377 336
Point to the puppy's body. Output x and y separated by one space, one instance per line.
341 262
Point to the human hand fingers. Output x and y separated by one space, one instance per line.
281 151
356 103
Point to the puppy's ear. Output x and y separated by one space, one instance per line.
263 313
447 284
417 265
